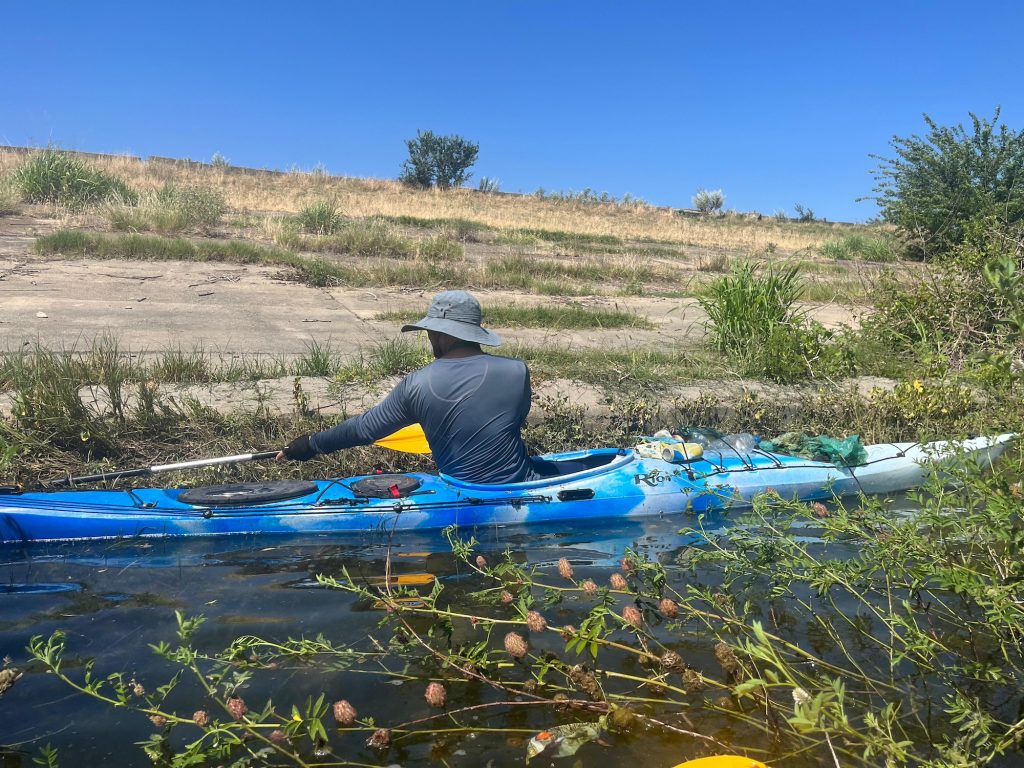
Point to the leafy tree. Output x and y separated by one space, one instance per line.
940 188
441 161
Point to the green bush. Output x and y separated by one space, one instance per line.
438 161
937 185
319 218
967 310
55 177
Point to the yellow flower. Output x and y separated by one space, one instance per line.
918 385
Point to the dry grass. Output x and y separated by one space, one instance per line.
289 192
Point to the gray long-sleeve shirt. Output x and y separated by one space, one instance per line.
471 409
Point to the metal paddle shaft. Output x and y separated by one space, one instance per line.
409 439
158 468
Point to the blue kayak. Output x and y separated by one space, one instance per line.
609 483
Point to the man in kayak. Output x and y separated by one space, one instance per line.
471 405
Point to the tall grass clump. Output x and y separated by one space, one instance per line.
55 177
440 248
171 209
753 317
319 359
744 307
319 218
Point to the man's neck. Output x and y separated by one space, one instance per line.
461 349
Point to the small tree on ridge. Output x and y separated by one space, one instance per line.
441 161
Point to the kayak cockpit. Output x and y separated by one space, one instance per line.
558 468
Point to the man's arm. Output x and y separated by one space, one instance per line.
389 415
384 418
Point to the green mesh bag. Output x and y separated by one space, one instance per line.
845 452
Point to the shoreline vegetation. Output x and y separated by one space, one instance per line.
883 638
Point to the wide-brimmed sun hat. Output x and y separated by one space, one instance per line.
458 314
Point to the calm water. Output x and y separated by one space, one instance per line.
112 600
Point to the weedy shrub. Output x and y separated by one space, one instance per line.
55 177
803 213
489 185
319 218
709 201
963 311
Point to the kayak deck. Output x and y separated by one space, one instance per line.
617 483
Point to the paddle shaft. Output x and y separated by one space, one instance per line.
158 468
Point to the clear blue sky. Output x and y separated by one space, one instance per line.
774 103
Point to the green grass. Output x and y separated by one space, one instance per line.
69 242
366 239
170 210
55 177
456 228
319 359
564 317
519 271
530 236
392 357
861 247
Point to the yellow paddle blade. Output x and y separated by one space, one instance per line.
723 761
407 440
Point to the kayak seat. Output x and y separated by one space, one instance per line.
548 468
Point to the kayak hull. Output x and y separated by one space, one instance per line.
618 484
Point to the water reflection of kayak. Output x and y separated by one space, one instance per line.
612 484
